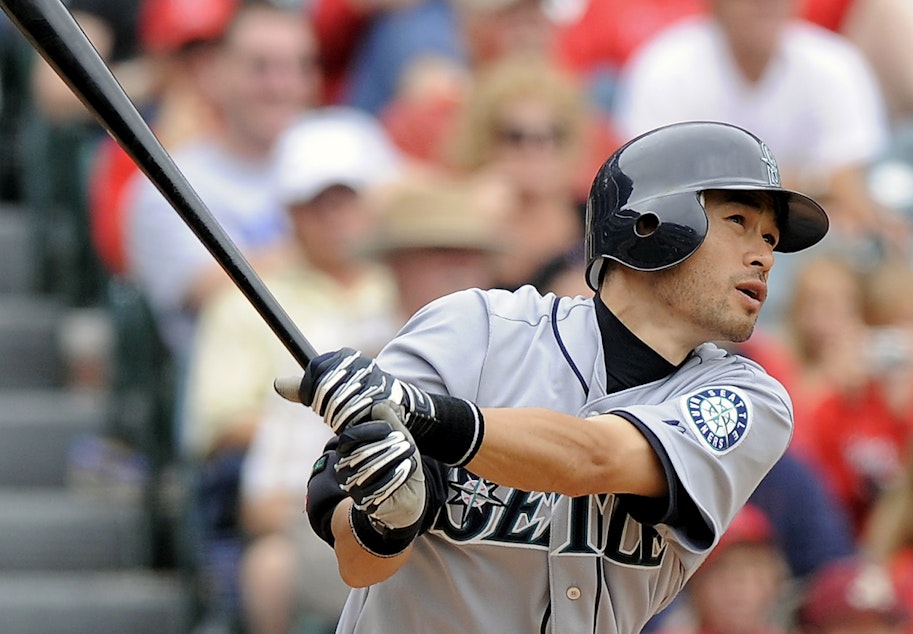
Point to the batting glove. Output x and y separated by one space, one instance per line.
380 468
346 388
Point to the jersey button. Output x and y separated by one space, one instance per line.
573 593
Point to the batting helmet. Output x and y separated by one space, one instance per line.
644 209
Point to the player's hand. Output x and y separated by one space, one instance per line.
379 467
348 388
345 386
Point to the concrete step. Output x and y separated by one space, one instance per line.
30 351
19 262
134 601
39 428
59 529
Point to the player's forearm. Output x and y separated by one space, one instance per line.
357 567
533 449
540 450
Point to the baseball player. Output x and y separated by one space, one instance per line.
556 464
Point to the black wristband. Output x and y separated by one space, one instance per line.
379 541
453 434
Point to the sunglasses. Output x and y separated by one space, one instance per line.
546 137
259 65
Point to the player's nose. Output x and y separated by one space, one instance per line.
760 253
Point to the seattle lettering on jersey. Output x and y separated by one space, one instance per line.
479 511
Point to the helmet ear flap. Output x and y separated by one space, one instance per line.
659 233
667 232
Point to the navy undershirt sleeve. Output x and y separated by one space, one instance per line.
676 509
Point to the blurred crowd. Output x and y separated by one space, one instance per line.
369 156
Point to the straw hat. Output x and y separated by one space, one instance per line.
431 216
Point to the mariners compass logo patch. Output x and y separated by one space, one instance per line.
718 415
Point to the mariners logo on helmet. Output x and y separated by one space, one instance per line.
773 171
719 415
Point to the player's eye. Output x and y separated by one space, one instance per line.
737 219
770 239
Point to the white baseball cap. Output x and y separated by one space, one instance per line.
332 146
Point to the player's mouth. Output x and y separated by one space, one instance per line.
756 290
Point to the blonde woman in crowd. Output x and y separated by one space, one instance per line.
523 129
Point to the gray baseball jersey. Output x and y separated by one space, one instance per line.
505 560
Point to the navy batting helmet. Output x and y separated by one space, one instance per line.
644 209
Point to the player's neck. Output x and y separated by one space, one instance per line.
660 330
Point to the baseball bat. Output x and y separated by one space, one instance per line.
58 38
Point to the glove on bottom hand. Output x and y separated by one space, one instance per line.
347 387
380 468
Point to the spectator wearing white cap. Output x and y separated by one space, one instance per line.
324 166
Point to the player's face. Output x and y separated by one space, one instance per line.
720 289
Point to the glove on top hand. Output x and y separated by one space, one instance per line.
346 387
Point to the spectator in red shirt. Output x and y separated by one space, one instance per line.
859 435
598 42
